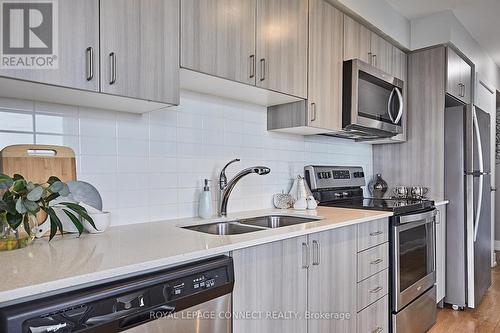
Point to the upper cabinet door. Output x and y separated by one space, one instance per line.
399 65
218 38
77 48
453 86
282 46
140 49
357 41
325 65
382 56
466 78
459 75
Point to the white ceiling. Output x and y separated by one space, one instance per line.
479 17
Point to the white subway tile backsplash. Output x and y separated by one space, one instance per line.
16 121
152 166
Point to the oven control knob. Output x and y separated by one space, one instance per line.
337 195
345 194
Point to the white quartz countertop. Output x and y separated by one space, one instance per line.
67 262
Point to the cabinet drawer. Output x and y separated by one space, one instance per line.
375 318
372 261
372 233
373 289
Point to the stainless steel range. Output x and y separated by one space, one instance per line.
412 242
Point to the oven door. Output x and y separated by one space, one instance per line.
413 257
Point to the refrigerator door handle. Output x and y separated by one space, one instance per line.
480 172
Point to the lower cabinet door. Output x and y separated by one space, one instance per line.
332 281
375 318
270 290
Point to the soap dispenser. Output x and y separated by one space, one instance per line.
205 203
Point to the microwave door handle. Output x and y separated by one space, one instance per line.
389 106
400 111
481 172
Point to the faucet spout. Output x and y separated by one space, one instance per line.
226 187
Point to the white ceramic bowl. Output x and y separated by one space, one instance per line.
101 221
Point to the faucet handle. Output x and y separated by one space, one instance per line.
222 177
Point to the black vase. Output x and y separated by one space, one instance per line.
378 187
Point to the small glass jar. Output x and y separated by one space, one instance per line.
11 239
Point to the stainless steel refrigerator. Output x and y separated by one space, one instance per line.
468 188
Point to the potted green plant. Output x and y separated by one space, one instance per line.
23 200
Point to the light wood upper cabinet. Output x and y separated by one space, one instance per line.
282 46
399 64
453 86
357 41
218 38
78 48
325 65
270 277
382 56
139 49
332 279
459 76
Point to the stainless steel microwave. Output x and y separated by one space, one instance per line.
372 102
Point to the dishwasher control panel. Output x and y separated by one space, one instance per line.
196 283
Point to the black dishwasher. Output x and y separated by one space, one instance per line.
193 297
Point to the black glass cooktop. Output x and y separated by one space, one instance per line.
398 206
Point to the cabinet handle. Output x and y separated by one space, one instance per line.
376 262
262 69
378 330
463 92
112 67
370 58
90 63
252 66
376 290
374 60
313 111
305 255
316 253
376 233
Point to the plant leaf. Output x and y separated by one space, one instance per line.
75 220
26 223
82 212
52 180
51 197
56 186
19 186
65 191
55 223
31 206
20 206
17 177
14 220
35 194
5 181
30 186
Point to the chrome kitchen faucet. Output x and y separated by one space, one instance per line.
226 187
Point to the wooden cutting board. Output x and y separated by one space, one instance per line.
38 162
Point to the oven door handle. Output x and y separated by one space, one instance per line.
427 216
416 223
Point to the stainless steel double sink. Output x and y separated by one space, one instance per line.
244 226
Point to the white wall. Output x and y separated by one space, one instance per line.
150 167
